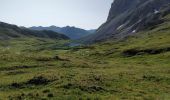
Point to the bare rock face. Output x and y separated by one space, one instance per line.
127 17
120 6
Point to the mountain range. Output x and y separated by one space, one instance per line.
129 17
125 18
71 32
8 31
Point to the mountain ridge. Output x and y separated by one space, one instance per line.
70 31
8 31
122 22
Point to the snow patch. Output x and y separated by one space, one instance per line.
121 26
134 31
156 11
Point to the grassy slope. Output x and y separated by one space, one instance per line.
100 71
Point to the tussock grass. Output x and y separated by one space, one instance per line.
37 69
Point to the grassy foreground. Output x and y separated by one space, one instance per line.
137 68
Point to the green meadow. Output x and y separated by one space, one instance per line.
136 68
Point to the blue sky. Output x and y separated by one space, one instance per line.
88 14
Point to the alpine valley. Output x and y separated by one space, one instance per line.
126 58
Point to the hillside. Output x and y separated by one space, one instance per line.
135 68
129 17
8 31
71 32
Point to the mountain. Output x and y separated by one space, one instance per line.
71 32
8 31
129 17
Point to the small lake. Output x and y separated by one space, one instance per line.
73 44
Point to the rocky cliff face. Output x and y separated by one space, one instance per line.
120 6
127 17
